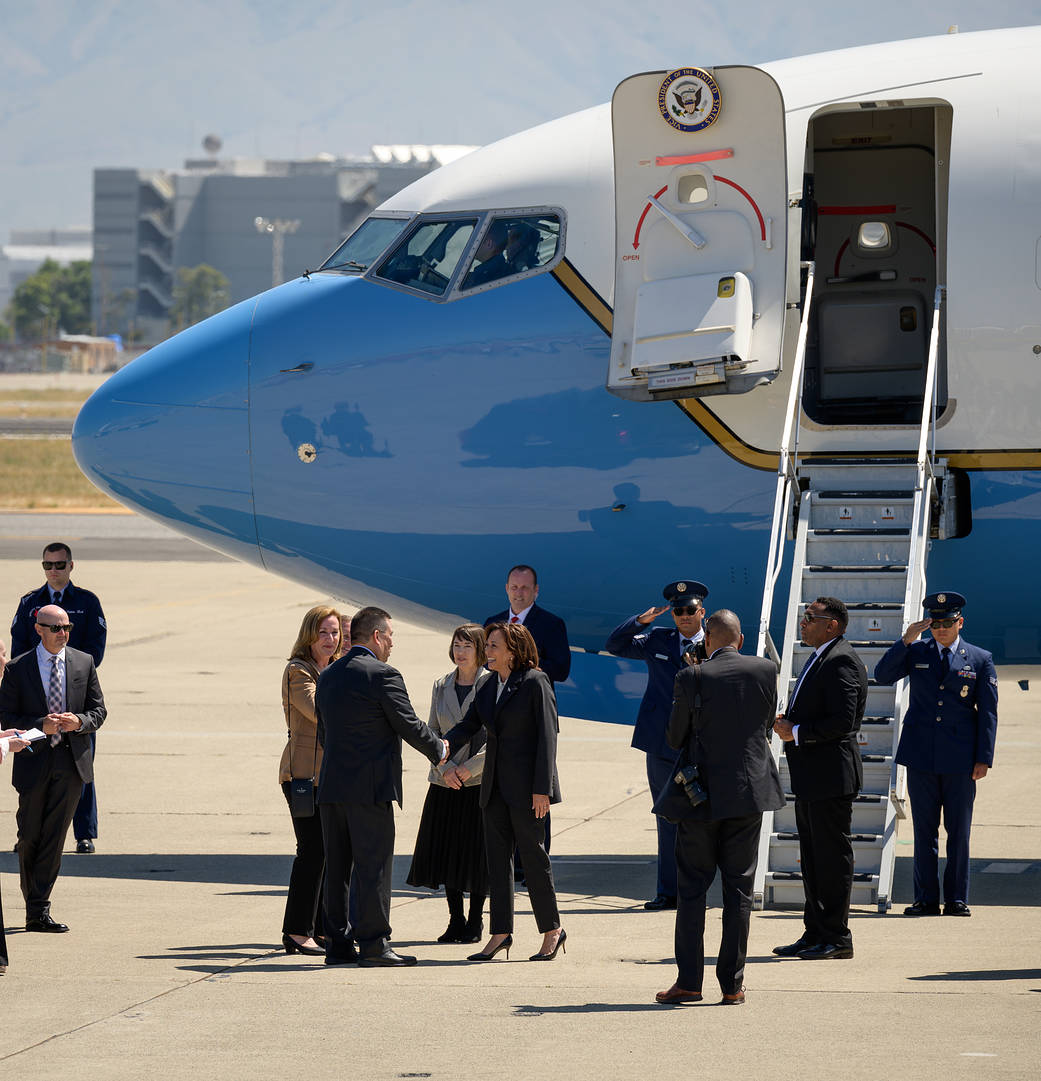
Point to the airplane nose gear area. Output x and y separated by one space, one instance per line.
168 434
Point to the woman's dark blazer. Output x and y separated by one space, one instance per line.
522 737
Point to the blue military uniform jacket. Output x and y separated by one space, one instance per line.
659 648
951 721
84 610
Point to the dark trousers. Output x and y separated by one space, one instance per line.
826 859
359 858
85 818
732 845
44 816
504 827
660 772
303 915
3 936
952 794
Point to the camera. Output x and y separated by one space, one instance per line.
687 778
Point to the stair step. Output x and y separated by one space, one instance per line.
867 493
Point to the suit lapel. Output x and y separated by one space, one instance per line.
507 692
36 682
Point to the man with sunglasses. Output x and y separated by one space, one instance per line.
819 729
946 744
665 650
53 688
88 634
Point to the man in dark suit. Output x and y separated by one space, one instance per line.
946 743
550 634
89 633
722 715
665 651
820 732
363 713
54 688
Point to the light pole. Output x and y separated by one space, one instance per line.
277 228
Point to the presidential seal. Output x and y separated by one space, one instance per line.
689 100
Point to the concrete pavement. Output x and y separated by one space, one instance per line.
173 967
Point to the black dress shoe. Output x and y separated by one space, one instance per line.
956 908
387 959
923 908
826 951
85 847
292 946
347 956
454 932
45 923
660 903
473 932
794 949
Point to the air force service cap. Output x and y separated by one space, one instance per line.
685 594
944 605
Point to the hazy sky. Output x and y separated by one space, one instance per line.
86 83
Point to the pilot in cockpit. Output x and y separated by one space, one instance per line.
522 244
489 262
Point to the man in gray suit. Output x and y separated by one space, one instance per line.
722 714
54 688
363 713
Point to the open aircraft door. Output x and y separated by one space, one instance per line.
701 228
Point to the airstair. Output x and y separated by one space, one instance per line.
860 529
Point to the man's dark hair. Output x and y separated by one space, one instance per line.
366 622
835 609
58 546
523 567
724 628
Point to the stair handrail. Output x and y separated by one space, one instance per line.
787 472
925 473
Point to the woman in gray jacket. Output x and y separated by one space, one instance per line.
450 842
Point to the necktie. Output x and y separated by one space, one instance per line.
802 675
54 702
514 619
945 664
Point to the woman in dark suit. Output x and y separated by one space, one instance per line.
318 644
518 711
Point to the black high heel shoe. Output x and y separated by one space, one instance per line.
561 939
506 943
292 946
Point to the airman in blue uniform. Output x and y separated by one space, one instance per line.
664 650
947 744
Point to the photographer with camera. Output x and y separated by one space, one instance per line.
722 714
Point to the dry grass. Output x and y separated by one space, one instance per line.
48 394
41 474
38 409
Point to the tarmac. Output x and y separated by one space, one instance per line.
173 966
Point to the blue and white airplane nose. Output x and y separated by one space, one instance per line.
168 435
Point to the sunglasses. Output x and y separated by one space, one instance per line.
55 564
55 628
809 617
686 611
946 624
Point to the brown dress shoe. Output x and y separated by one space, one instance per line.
736 999
677 994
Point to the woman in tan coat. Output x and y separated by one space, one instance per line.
319 642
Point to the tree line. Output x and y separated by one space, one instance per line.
57 299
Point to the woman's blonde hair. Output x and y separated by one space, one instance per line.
309 634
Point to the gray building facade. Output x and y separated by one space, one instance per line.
150 223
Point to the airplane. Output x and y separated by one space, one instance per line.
573 348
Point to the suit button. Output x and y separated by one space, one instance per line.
940 703
939 718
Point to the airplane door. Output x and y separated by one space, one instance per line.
701 216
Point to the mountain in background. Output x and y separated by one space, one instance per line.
127 83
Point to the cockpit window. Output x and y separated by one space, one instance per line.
513 245
428 258
366 244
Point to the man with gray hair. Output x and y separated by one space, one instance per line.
722 714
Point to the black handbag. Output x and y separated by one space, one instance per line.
301 789
676 801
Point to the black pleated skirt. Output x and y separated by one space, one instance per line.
450 842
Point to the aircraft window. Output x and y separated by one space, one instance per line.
511 246
365 244
428 258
